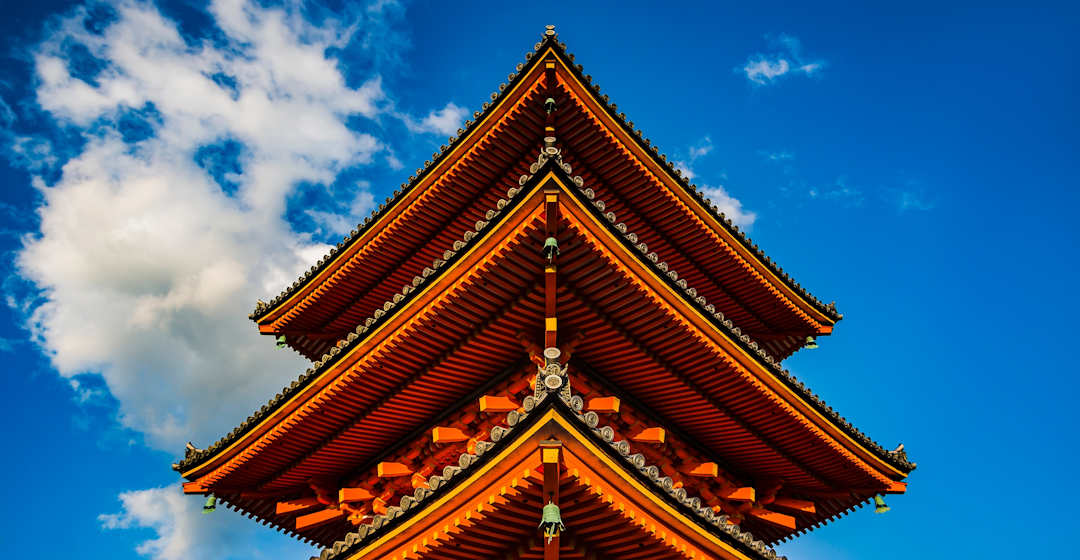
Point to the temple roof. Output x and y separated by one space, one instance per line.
638 315
392 307
327 272
330 438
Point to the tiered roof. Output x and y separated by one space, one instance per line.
439 297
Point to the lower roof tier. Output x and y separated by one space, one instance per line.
770 506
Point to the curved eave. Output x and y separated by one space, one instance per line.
666 174
382 330
349 249
707 326
520 211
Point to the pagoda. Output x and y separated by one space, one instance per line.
547 344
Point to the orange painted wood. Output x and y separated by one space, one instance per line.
301 504
604 404
442 434
354 495
795 505
313 520
700 469
195 487
650 435
489 403
390 470
746 494
773 518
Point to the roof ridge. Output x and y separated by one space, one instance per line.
661 159
196 456
549 157
897 459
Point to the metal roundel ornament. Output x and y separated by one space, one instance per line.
552 378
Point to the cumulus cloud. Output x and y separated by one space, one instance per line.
182 532
787 57
168 219
148 258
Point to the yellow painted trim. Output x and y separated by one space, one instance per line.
648 493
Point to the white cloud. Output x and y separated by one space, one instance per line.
183 532
787 58
146 266
730 206
762 70
718 196
445 121
703 147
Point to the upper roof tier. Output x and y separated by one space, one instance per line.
668 215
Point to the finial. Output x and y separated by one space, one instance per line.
550 31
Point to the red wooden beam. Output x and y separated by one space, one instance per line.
746 494
319 518
301 504
801 506
773 518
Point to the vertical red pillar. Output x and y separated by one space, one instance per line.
551 455
551 324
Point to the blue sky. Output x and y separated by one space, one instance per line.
165 164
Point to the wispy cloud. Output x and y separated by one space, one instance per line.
445 121
909 197
787 57
775 156
701 149
717 195
839 191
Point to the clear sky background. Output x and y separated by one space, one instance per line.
165 164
